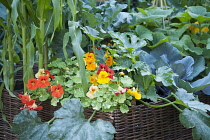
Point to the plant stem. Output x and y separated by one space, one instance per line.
24 44
41 47
10 48
171 103
164 99
50 121
92 116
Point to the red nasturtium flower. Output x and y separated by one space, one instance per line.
57 90
33 107
43 81
32 84
47 72
26 99
29 103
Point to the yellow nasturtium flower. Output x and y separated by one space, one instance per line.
103 77
91 66
135 93
93 79
107 54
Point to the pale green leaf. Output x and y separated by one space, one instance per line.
165 75
126 81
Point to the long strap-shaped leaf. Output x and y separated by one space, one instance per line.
76 38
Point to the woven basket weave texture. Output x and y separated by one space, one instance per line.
140 123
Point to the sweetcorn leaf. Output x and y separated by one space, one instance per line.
199 121
29 126
188 99
70 123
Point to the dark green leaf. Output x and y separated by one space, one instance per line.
199 121
71 124
29 126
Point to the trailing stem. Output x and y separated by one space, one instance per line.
156 105
164 99
50 121
92 116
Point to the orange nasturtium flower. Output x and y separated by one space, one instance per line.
43 81
32 84
93 79
89 57
194 29
57 90
91 66
109 61
103 77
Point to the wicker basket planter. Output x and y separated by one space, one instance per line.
140 123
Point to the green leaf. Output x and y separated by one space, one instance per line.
146 86
43 9
208 44
199 13
187 43
143 32
57 12
92 33
124 108
165 75
189 100
76 37
199 121
128 41
43 97
29 126
158 38
92 20
3 11
126 81
70 123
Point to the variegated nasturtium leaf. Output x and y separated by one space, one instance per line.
199 121
29 126
70 124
